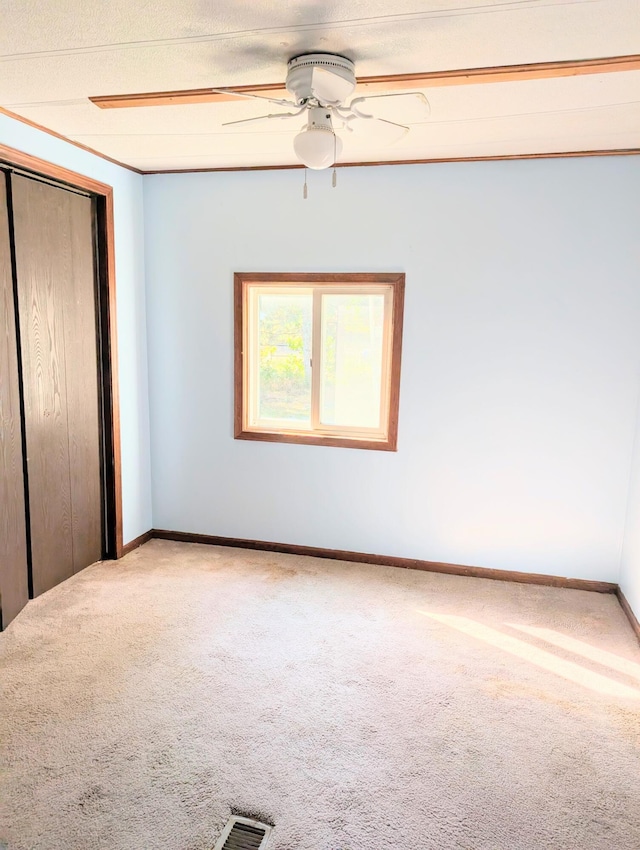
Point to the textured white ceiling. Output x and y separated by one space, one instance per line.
53 56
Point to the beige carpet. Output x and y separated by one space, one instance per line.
352 706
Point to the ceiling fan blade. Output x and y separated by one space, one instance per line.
277 101
417 96
389 82
356 112
376 131
264 117
330 89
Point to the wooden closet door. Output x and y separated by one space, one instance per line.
14 592
83 410
56 295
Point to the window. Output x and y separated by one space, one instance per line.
317 358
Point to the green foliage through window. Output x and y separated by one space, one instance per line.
285 353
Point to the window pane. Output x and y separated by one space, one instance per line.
284 352
350 388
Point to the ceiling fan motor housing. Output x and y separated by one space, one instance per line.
300 75
319 118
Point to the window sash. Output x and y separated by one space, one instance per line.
251 363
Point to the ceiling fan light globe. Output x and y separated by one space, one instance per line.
317 147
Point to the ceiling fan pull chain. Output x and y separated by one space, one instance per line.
334 177
304 190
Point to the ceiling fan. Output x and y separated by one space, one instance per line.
320 85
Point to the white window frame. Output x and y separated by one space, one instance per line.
248 287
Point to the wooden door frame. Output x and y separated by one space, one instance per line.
107 305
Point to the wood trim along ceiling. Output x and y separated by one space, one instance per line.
432 161
391 82
379 560
426 161
504 73
43 129
19 159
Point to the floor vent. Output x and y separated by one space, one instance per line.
243 834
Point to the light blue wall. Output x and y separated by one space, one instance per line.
630 567
520 363
131 321
519 373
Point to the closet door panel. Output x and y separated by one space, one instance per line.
14 592
43 261
81 356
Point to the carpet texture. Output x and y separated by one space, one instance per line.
352 706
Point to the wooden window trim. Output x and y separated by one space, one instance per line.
241 281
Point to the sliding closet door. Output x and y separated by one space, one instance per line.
57 314
83 412
13 550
